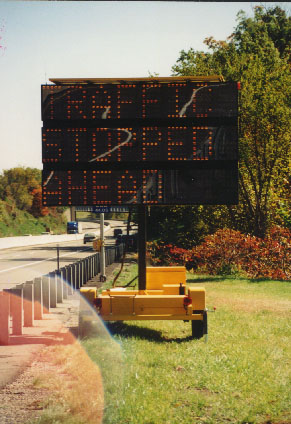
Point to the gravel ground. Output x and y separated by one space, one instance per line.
22 400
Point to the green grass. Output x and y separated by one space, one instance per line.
154 373
128 274
241 375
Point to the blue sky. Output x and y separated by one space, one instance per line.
45 39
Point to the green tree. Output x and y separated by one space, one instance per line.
258 55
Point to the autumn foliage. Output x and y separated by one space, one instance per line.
37 209
231 252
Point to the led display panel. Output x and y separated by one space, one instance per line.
140 142
147 186
139 101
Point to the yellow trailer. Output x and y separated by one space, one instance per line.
166 297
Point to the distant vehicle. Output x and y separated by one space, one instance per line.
117 231
74 227
131 241
89 237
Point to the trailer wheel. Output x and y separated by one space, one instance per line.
197 329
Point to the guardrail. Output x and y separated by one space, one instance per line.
24 303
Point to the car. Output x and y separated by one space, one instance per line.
131 241
117 231
89 237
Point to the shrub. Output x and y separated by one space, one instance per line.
231 252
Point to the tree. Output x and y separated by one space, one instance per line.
18 184
258 55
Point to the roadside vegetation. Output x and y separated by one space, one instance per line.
257 54
21 210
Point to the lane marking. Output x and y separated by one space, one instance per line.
44 260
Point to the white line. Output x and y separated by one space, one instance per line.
48 178
44 260
129 137
186 105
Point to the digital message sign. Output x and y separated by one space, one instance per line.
139 142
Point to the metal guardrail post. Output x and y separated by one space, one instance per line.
60 291
46 294
98 262
85 271
69 279
92 266
16 309
38 300
73 277
82 282
78 274
88 269
53 289
28 304
64 282
4 318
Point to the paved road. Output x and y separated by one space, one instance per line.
21 264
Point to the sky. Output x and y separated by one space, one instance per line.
98 39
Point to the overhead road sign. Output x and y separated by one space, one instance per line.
102 209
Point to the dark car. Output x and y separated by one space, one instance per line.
117 231
89 237
131 241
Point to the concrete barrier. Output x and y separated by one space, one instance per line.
46 294
60 287
4 318
16 309
69 279
28 304
9 242
53 289
63 282
38 300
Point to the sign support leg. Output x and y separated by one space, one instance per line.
102 252
142 247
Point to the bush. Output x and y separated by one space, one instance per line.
231 252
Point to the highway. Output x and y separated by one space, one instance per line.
21 264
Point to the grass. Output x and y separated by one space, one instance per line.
154 373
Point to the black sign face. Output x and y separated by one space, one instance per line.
150 187
139 101
140 143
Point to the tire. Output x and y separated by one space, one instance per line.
197 329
